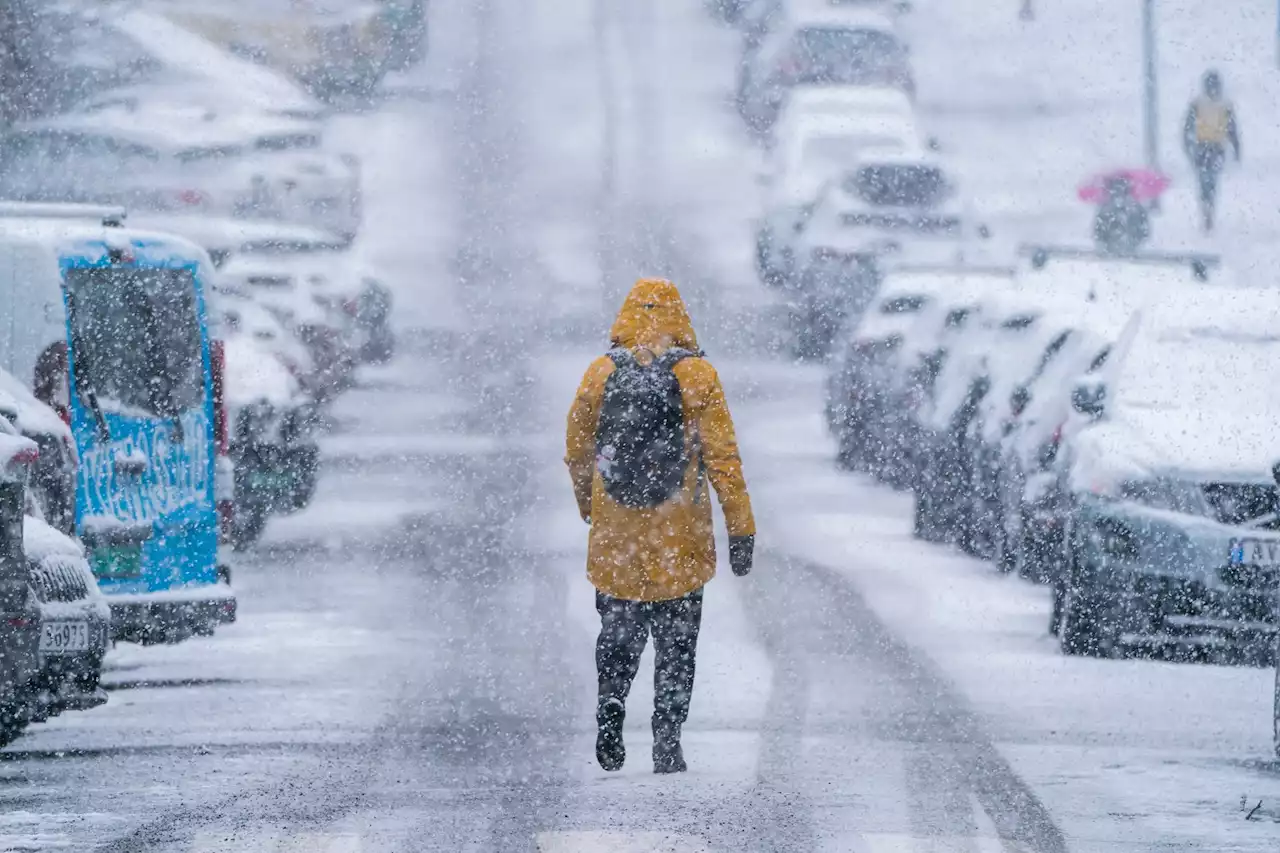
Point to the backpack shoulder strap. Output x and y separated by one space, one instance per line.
675 355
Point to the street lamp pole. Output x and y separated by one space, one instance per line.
1151 123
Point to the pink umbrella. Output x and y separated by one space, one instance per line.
1147 184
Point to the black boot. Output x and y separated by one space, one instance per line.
668 757
610 751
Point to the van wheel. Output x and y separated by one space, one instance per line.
250 521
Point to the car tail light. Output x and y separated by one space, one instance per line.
1049 450
191 197
218 366
226 519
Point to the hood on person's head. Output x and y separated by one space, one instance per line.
653 317
1212 84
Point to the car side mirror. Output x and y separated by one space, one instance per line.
984 231
933 143
902 7
1089 399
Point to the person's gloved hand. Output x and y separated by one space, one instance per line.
741 549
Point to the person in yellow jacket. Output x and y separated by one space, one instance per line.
1210 126
648 433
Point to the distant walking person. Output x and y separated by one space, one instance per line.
1209 128
649 428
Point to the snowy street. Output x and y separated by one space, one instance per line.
412 668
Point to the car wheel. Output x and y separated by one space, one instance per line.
1085 626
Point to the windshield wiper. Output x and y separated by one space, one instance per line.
84 373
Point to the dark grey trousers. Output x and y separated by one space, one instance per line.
624 630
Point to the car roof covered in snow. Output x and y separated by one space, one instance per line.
90 240
1198 355
822 99
872 129
824 13
197 57
29 415
229 234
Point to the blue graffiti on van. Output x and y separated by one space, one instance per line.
148 469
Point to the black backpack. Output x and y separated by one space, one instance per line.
640 449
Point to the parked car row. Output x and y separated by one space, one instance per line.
166 364
1087 422
850 178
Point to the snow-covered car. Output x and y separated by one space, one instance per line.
206 70
816 150
1169 494
891 442
861 370
184 159
53 476
839 254
309 303
817 43
859 105
335 48
898 204
225 236
75 623
273 444
19 610
1013 332
1027 538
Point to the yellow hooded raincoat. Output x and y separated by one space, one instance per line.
667 551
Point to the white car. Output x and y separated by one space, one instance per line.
810 160
308 302
184 159
213 68
225 236
858 104
817 43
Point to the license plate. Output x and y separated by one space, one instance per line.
123 562
1264 553
57 638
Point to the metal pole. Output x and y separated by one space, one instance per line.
1151 122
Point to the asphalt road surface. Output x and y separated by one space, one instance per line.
413 670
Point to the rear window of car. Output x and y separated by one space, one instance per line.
920 223
219 152
287 142
907 185
835 55
902 304
956 318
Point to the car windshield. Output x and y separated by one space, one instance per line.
902 185
826 55
136 340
